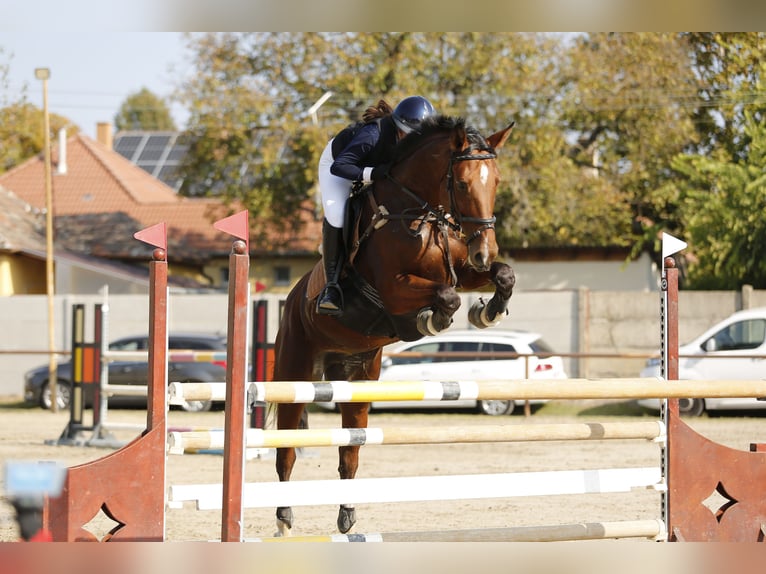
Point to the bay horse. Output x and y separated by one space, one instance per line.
422 232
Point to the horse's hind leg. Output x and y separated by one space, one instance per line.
487 314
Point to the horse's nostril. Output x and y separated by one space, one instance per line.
480 260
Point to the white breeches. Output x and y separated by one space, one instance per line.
334 190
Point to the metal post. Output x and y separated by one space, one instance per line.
43 74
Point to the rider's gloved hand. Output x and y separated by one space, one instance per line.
380 172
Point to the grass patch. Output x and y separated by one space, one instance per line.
15 403
590 408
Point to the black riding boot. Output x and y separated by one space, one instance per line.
330 301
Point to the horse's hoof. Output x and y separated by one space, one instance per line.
346 518
478 315
425 323
284 521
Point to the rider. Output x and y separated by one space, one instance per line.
363 159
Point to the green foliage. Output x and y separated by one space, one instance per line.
21 125
21 133
144 110
724 201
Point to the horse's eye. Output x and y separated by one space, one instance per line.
462 186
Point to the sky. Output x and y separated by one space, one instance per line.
92 73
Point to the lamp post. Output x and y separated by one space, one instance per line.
43 74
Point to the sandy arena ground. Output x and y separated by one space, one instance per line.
23 433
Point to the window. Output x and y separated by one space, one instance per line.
743 335
498 348
128 345
281 275
460 347
424 348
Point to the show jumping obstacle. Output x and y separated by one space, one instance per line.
693 467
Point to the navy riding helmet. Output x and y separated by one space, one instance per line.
410 112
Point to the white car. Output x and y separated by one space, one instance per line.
728 350
444 368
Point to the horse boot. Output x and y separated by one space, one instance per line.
330 301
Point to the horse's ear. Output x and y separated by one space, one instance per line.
497 139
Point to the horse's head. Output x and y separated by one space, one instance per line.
450 169
472 180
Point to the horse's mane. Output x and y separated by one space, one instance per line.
432 125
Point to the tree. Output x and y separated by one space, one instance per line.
21 125
724 200
720 185
143 110
21 133
730 68
624 112
250 135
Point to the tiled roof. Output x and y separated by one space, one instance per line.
22 227
103 199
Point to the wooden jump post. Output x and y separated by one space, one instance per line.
127 485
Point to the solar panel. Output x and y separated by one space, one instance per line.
158 153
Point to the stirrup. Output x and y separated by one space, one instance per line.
325 304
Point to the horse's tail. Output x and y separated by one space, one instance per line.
271 416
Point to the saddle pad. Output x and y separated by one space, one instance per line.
316 281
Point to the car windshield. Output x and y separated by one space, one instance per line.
742 335
128 345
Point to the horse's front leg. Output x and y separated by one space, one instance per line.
488 314
437 302
288 417
365 366
354 415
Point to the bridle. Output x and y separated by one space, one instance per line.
467 155
451 219
427 214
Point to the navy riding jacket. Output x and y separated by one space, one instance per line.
371 146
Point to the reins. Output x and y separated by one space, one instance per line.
426 213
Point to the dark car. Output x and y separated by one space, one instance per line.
37 391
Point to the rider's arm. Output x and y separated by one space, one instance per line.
350 162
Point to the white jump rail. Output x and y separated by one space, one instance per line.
422 488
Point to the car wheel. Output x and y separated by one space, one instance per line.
691 407
63 395
495 408
197 406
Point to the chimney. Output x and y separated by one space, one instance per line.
61 167
104 134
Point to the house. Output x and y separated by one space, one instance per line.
100 199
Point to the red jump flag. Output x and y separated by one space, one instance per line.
236 225
156 235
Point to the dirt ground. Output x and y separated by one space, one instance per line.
23 432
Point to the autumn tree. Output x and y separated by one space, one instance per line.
253 140
143 110
624 116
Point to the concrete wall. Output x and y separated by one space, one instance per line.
572 321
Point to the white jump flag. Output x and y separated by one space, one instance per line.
671 245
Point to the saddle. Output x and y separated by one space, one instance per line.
364 311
